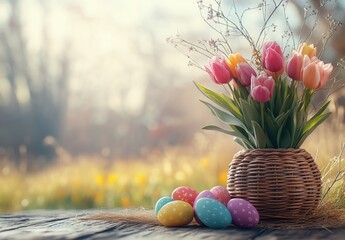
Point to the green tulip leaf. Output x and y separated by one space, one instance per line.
311 125
320 111
241 142
219 129
259 135
220 100
250 113
223 116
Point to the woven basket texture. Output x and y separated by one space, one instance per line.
280 183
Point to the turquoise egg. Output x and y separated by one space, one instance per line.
212 213
161 202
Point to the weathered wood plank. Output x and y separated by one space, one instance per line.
71 225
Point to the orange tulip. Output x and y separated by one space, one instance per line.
233 61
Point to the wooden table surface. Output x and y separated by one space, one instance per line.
61 224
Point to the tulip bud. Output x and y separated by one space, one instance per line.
244 73
294 66
308 50
218 70
262 87
272 57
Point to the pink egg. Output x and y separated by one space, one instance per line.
243 213
186 194
203 194
221 194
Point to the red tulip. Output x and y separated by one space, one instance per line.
218 70
272 58
262 87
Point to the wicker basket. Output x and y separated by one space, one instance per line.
280 183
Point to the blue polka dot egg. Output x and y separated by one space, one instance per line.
212 213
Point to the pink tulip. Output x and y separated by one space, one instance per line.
315 72
294 66
262 87
272 58
244 73
218 70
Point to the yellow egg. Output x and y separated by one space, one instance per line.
175 214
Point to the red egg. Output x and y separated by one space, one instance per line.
186 194
221 194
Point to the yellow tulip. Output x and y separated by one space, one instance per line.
308 50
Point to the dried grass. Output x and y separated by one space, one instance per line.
325 216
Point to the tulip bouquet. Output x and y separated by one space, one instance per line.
269 105
268 102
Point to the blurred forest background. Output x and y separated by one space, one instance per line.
98 110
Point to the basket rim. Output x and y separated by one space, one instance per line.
273 150
283 151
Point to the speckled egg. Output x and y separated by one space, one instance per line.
244 214
161 202
175 214
221 194
203 194
212 213
186 194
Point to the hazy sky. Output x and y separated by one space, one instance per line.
116 46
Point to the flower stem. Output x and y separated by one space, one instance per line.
262 105
231 90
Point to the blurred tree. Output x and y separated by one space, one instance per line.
37 98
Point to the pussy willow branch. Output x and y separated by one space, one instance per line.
232 25
328 35
306 16
193 61
276 6
288 25
243 29
195 48
212 27
226 24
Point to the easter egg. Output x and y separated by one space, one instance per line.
244 214
212 213
161 202
186 194
221 194
205 194
175 214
